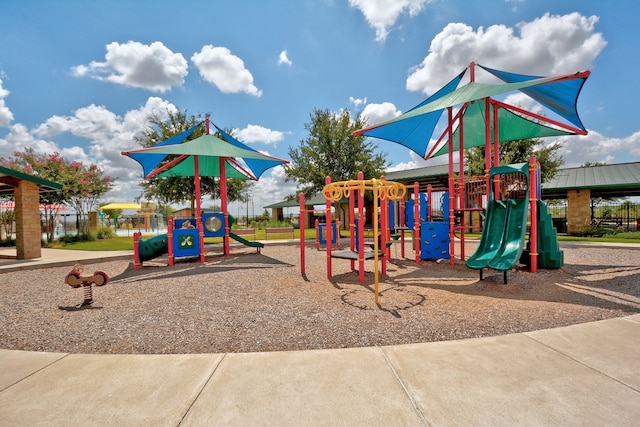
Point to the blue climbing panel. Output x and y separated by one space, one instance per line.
434 240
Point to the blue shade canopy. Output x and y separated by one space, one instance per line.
256 166
560 96
414 132
150 161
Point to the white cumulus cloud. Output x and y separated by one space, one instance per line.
284 58
6 116
382 14
227 72
377 113
107 133
551 44
357 102
256 133
576 150
153 67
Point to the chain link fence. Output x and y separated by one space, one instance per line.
624 216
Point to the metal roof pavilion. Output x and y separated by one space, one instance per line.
617 180
9 181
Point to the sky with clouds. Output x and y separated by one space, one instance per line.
82 78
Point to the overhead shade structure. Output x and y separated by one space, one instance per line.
210 149
256 166
206 155
414 132
150 161
512 127
559 93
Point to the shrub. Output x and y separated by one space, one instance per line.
103 233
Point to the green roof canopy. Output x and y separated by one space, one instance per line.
9 179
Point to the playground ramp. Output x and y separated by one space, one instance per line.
503 237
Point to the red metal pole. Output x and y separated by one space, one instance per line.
382 246
429 205
352 225
462 193
533 198
403 224
302 227
487 145
170 240
196 178
416 220
327 181
452 196
224 205
361 230
496 152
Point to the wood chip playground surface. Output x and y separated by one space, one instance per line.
251 302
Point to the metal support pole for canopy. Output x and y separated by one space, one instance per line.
223 204
451 188
196 179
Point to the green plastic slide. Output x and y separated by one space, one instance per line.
503 237
250 243
492 235
513 238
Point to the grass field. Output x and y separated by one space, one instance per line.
126 243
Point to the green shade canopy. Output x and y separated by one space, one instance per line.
470 92
209 149
512 127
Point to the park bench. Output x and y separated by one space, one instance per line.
279 232
245 232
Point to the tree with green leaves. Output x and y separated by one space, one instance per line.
169 190
83 185
518 152
332 150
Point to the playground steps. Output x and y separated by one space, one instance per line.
549 254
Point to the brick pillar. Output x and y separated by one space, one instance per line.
94 222
28 228
578 209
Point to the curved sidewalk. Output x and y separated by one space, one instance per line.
586 374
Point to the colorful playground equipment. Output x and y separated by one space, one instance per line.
515 198
206 155
479 120
184 239
75 278
383 191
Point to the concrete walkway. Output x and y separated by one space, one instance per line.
587 375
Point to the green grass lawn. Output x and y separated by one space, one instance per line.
126 243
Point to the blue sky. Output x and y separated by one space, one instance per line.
81 78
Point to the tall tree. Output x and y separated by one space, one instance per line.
82 185
181 189
518 152
331 149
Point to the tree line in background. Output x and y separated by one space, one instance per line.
330 149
